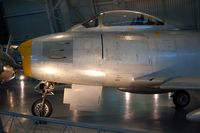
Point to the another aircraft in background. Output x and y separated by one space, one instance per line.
194 115
8 66
132 51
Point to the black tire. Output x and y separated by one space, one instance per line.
37 108
181 99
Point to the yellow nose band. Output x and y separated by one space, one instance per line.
25 51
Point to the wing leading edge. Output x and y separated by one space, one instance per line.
182 83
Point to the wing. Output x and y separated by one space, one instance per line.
182 83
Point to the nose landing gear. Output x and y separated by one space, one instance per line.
42 107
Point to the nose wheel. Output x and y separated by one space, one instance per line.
42 107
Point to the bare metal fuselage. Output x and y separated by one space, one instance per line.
139 62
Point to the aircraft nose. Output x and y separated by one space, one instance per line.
25 51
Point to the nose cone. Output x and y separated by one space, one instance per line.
25 51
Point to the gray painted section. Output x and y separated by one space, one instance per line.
62 53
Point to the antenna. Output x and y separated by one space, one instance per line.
9 42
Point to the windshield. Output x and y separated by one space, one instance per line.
129 18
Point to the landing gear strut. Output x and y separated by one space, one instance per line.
42 107
181 99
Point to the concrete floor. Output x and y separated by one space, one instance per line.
149 113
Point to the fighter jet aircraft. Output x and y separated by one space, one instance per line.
132 51
8 66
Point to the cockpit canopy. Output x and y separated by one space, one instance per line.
121 20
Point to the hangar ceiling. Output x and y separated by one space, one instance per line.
26 19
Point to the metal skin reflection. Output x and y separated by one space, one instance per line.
22 89
156 114
11 99
128 113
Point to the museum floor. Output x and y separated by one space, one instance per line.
148 113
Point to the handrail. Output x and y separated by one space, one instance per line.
67 123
